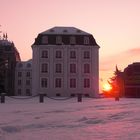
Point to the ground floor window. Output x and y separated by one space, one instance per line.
73 95
58 94
86 95
28 92
19 92
44 82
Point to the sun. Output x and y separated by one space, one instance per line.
107 87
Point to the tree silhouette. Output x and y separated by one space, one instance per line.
117 83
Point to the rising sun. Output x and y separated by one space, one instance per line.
107 87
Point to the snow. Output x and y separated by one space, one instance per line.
91 119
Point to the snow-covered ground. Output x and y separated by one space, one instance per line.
92 119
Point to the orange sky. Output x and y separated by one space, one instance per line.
115 24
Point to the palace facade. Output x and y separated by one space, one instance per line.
65 62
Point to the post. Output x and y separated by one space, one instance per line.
2 97
117 98
79 97
41 98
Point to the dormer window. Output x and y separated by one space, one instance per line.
78 31
65 31
86 40
51 30
58 40
20 65
28 65
72 40
44 39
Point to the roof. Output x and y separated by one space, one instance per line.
65 30
24 64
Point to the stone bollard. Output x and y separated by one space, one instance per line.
41 98
2 97
79 97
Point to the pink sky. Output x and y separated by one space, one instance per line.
115 24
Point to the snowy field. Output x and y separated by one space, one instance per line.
92 119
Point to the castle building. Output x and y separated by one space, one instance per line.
9 56
65 62
23 78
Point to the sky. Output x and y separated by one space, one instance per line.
115 24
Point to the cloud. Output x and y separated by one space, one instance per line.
121 59
134 51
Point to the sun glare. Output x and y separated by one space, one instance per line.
107 87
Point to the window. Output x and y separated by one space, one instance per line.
28 74
44 39
19 91
86 68
44 54
51 30
72 40
8 48
73 83
72 68
58 94
58 82
86 40
58 54
44 68
72 95
65 30
86 83
28 92
58 68
78 31
72 54
86 54
20 65
19 82
44 82
86 95
28 82
28 65
19 74
58 40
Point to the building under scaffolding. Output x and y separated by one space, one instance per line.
9 56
